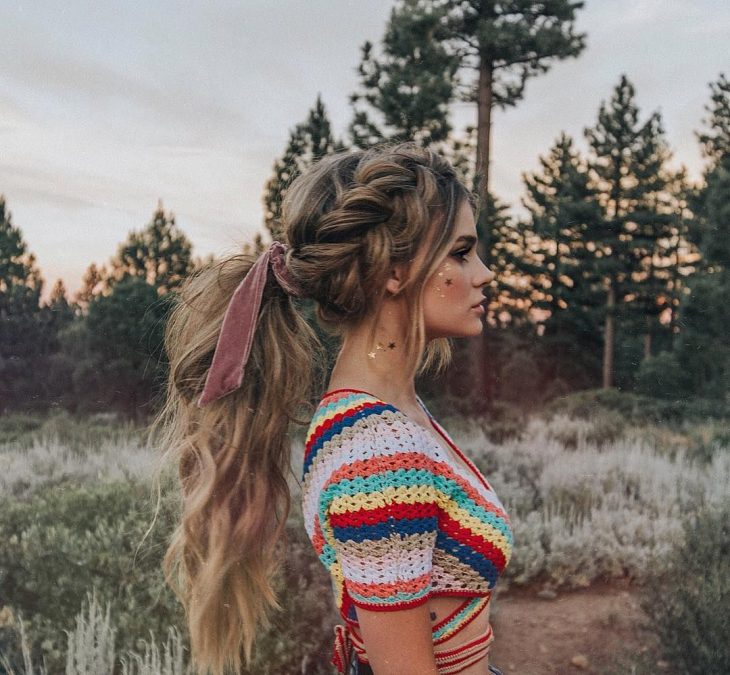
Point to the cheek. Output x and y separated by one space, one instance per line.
447 283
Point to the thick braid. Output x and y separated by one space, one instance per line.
356 214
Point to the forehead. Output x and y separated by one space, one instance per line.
464 223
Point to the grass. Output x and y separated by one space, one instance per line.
589 499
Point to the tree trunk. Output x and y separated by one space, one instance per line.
484 128
477 352
647 338
608 337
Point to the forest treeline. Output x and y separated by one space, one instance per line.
617 277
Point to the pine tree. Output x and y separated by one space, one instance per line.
564 215
92 283
20 279
683 258
308 142
626 170
711 202
21 346
500 46
715 139
160 254
405 91
704 321
124 366
437 51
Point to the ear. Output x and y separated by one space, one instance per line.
397 275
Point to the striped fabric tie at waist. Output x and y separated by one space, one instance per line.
448 661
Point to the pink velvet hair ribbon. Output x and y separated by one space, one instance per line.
239 323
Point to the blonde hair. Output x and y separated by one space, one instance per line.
347 221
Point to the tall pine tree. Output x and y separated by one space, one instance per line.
704 321
405 90
564 216
626 171
21 345
501 45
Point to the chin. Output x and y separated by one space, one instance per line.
467 329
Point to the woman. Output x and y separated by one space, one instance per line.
411 533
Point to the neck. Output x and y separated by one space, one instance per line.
377 365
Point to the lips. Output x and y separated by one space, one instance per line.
478 303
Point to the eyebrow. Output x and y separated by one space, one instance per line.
468 238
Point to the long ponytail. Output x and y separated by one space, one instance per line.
233 458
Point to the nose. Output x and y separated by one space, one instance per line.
485 275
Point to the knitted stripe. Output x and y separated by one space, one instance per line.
456 621
460 658
333 425
396 519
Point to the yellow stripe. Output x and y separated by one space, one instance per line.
418 495
330 411
485 530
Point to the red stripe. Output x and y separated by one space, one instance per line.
474 541
461 648
327 423
460 627
381 514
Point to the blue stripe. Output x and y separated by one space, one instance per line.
348 420
483 565
402 527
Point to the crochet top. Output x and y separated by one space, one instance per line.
396 519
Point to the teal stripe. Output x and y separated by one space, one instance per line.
392 600
458 618
410 478
326 410
457 493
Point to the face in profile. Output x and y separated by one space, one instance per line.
453 298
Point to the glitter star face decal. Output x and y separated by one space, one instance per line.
391 345
371 355
449 282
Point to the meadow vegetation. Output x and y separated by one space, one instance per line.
598 488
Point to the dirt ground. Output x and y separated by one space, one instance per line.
599 630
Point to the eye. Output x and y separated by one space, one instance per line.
461 255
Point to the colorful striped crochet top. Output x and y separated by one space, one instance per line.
394 517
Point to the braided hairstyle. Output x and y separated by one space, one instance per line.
354 215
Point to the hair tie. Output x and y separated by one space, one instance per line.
239 323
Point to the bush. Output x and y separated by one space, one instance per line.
71 539
61 543
662 376
635 408
689 600
76 432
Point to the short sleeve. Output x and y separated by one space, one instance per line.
383 515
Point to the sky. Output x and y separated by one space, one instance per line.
108 107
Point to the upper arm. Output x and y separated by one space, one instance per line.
383 523
398 642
